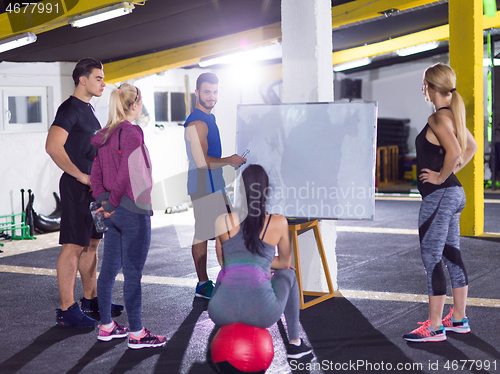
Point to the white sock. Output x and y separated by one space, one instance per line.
108 326
137 334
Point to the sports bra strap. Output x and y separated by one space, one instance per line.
265 230
225 219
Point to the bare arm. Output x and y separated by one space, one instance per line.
469 151
54 146
196 133
442 126
284 258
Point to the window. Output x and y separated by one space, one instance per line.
161 106
24 109
171 106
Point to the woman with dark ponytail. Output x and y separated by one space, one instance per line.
246 291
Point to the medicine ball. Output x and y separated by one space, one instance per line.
239 348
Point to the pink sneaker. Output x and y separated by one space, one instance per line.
147 340
426 333
450 324
115 332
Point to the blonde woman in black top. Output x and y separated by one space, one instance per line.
444 146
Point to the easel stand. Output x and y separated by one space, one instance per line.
294 226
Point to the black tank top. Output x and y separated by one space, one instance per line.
431 156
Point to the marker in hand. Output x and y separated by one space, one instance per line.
243 155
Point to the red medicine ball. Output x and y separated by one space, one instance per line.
239 348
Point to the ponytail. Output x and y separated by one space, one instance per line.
442 78
119 105
457 106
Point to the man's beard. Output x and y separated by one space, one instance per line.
204 104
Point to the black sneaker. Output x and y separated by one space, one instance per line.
74 317
297 352
91 308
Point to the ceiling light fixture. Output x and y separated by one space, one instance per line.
17 41
417 49
101 15
389 12
268 52
352 64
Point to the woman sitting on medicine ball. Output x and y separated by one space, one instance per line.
246 291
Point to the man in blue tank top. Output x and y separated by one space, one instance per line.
206 185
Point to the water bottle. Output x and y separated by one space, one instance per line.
99 220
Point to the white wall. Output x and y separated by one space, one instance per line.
396 88
167 147
24 161
26 165
398 92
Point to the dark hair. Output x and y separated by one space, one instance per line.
206 77
256 183
84 67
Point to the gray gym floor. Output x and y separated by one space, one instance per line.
382 295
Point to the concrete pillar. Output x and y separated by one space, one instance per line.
308 77
466 34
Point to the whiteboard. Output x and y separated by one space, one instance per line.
320 157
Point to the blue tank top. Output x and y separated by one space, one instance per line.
431 156
203 180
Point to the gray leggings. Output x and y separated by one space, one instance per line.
258 303
439 231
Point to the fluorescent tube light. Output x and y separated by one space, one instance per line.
258 54
417 49
352 64
101 15
17 41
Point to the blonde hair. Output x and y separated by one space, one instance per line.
120 102
442 78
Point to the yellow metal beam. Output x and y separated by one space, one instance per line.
435 34
190 54
36 18
466 34
361 10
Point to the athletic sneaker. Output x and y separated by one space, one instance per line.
451 324
205 290
294 351
115 332
91 308
74 317
426 333
147 340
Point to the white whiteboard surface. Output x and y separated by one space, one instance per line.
320 157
